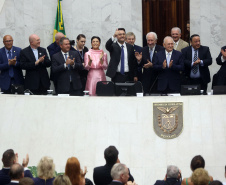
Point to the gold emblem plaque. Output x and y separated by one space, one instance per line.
168 119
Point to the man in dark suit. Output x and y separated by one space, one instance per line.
123 65
172 177
16 173
9 158
146 59
221 74
10 71
197 58
34 60
102 174
130 39
66 65
120 175
168 63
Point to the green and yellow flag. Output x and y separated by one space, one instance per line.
59 23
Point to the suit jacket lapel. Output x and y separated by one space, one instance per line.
4 55
32 56
179 45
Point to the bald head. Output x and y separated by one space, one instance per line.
34 41
16 171
58 36
8 41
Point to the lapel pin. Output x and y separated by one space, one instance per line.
40 53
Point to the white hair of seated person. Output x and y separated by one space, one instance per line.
172 171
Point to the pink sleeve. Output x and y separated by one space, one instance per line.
86 61
105 62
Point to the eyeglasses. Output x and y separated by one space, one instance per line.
8 40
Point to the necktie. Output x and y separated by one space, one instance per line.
151 51
195 67
168 59
11 73
66 59
122 60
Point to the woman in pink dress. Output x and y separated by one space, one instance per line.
95 62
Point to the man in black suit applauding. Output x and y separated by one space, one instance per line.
34 60
65 66
120 175
123 65
197 58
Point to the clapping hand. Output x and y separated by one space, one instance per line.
12 61
171 63
149 64
138 56
90 60
164 64
197 62
25 161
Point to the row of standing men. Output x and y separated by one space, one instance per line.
160 69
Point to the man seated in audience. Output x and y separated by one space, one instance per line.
26 181
102 174
168 63
9 158
130 39
197 60
179 44
16 173
172 177
120 175
11 72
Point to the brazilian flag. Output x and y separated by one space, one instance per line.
59 23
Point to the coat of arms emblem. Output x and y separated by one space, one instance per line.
168 119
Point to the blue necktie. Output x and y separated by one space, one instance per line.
122 60
195 67
151 50
66 59
11 73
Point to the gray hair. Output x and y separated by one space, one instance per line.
152 33
129 34
176 28
167 37
117 170
62 40
172 171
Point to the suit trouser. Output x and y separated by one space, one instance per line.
195 81
121 78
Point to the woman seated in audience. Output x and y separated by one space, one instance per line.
200 177
95 62
74 172
196 162
62 180
45 171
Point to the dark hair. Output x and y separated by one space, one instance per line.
111 155
26 181
194 35
62 40
8 157
95 37
123 29
197 162
16 171
215 182
80 36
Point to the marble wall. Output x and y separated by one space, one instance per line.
20 18
207 19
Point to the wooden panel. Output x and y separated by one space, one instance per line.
161 15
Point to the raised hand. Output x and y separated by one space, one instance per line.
25 161
90 60
148 64
171 63
164 64
116 33
138 56
101 58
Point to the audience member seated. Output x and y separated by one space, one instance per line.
16 173
120 175
9 158
172 177
200 177
62 180
26 181
102 174
45 171
74 172
196 162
